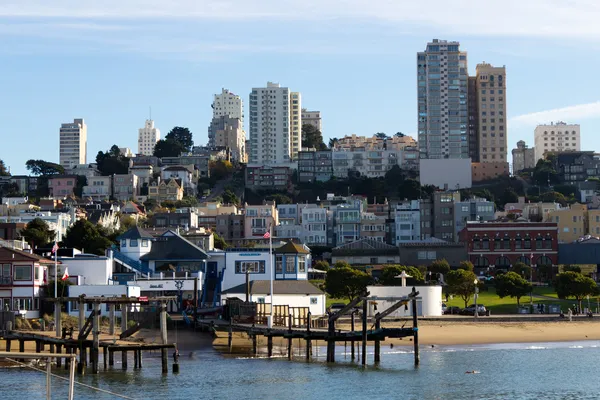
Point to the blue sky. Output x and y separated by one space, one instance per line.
108 61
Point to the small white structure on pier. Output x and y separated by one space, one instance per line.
429 303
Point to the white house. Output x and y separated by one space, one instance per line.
98 188
93 269
429 302
58 222
184 173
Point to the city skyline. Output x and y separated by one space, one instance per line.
121 58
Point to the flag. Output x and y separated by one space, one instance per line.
66 274
55 248
267 235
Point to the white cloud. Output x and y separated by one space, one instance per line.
570 114
548 18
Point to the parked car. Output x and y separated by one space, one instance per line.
452 310
444 308
481 310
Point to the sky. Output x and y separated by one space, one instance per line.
355 61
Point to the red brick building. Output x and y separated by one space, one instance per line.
501 244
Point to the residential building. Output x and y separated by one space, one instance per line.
225 131
124 186
87 170
62 185
474 209
147 138
73 143
523 157
26 185
425 252
315 166
585 253
59 222
352 142
274 177
492 125
227 104
442 101
11 230
484 171
556 137
185 219
314 226
231 226
183 173
444 204
473 114
126 152
22 276
347 223
372 163
499 245
259 218
200 162
275 125
373 227
572 222
291 213
576 167
366 252
170 190
98 188
312 118
407 221
288 230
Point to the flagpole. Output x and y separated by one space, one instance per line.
272 271
56 303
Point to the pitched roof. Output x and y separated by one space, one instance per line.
171 246
135 233
8 254
279 287
291 248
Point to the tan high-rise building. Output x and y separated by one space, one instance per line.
523 157
491 96
312 118
73 143
556 137
229 132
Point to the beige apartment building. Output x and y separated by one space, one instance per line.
229 132
523 157
491 103
73 143
573 222
312 118
556 137
351 142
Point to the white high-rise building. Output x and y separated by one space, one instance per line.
556 137
73 143
312 118
226 104
275 125
147 138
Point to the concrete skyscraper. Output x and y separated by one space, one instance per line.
226 104
491 105
442 101
556 137
73 143
275 125
147 138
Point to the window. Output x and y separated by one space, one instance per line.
253 267
485 243
527 242
422 255
290 265
22 273
373 260
144 242
23 303
301 264
123 243
133 243
314 300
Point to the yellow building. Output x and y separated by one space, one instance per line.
572 222
169 190
594 222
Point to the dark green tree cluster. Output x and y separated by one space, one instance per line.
112 162
44 168
3 169
229 197
86 236
512 284
312 137
390 272
37 233
461 283
178 140
576 285
346 282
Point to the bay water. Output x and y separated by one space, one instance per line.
565 370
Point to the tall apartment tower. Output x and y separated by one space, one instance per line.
473 112
556 137
275 125
226 104
73 143
523 157
442 100
491 104
312 118
147 138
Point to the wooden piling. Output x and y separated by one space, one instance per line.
331 341
364 333
290 338
230 337
270 346
57 319
377 342
8 343
37 346
59 359
140 358
96 338
254 345
308 340
352 356
415 329
124 359
163 334
124 318
51 347
111 319
104 357
111 357
81 321
135 359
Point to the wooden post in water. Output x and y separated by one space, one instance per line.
331 341
377 342
96 338
135 359
8 342
195 314
124 359
57 320
104 357
124 317
352 356
140 358
59 359
51 347
416 328
290 338
81 320
163 334
364 333
111 357
111 319
22 347
269 345
230 336
37 346
68 350
254 345
308 340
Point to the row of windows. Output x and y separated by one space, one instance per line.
134 243
503 261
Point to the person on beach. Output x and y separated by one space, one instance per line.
570 314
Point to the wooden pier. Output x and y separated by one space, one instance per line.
330 335
89 349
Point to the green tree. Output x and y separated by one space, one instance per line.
509 196
394 176
346 282
229 197
572 268
341 264
333 142
81 182
573 284
3 169
467 266
112 162
554 197
220 169
399 134
279 198
390 272
167 148
322 265
512 285
381 135
312 137
219 242
409 189
86 236
521 269
44 168
37 233
544 173
440 267
461 283
183 136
